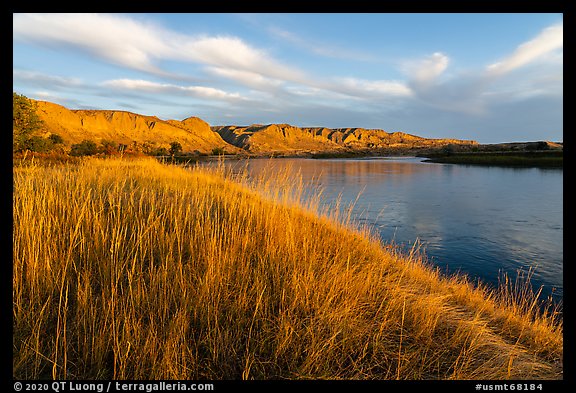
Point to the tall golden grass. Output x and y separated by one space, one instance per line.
131 269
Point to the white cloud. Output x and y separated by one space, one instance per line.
233 54
549 40
476 92
460 93
426 70
117 39
264 85
247 78
42 80
369 89
141 45
154 87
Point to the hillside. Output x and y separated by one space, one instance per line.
375 138
195 135
274 137
282 137
128 128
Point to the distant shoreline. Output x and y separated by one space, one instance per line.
540 159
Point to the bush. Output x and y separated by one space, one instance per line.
37 144
84 148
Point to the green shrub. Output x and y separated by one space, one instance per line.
37 144
84 148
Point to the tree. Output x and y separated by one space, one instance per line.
25 121
175 148
84 148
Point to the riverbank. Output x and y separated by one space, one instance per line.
135 269
541 159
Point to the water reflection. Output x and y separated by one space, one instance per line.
477 220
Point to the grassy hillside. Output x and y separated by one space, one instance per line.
134 269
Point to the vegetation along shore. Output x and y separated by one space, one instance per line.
134 269
531 154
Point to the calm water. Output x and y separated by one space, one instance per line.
477 220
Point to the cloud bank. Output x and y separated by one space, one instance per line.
229 71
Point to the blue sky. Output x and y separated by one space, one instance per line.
487 77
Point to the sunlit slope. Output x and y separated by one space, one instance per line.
285 137
363 138
127 128
194 134
132 269
274 138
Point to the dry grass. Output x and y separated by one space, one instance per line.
138 270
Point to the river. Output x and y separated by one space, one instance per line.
482 221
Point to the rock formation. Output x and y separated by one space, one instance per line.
284 137
128 128
195 135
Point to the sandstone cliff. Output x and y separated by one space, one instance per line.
282 137
274 138
128 128
194 134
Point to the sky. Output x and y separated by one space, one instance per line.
487 77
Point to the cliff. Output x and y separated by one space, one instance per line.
128 128
274 137
361 138
194 134
283 137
